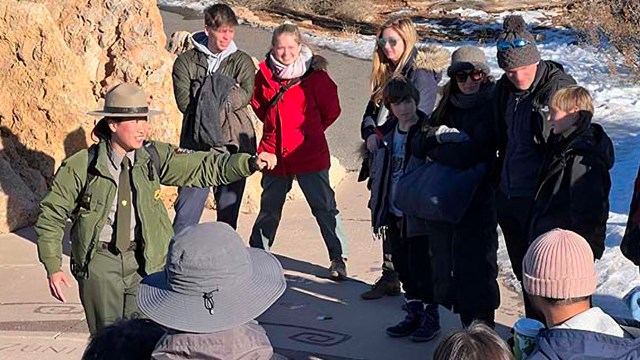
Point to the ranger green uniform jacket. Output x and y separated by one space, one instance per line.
199 169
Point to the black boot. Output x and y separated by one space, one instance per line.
430 326
415 313
385 286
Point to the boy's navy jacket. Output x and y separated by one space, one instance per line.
573 188
557 344
380 176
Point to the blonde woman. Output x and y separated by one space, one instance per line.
397 52
297 101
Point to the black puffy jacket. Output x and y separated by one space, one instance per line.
574 184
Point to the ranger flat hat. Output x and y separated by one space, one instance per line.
125 100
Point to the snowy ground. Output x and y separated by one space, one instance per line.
617 109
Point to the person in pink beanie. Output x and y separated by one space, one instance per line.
559 278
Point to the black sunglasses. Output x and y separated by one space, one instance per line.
475 75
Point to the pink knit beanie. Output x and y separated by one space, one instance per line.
559 265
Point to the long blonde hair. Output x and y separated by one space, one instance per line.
383 69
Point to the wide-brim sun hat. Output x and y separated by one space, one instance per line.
125 100
211 282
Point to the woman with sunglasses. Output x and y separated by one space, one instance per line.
464 255
397 53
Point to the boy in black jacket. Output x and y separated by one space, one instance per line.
573 187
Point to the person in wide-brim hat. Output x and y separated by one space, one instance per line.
211 281
121 230
212 289
125 100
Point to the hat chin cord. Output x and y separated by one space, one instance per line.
209 304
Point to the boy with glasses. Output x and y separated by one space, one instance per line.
523 96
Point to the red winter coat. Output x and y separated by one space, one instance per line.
294 127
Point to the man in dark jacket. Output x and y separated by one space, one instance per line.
523 94
214 52
573 191
560 278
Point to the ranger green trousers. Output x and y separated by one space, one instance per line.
109 292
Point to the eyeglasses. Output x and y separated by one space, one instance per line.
382 42
516 44
475 75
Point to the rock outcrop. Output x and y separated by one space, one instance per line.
57 58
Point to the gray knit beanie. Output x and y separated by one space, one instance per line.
468 58
515 28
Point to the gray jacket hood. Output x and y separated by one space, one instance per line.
200 41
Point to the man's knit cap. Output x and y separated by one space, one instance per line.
559 265
515 29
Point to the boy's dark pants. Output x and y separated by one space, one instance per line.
412 261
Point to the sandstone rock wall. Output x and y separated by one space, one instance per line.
57 58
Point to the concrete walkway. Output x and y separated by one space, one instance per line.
34 326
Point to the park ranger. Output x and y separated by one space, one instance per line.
120 229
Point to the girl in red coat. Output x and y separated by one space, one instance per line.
297 101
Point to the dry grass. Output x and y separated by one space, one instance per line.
351 10
616 22
350 31
357 10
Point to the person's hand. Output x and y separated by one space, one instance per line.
235 97
267 160
445 134
372 143
55 285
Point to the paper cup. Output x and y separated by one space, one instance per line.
524 338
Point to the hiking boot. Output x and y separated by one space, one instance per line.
415 313
338 269
430 326
384 286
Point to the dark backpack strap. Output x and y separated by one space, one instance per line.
150 147
288 86
81 200
282 90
